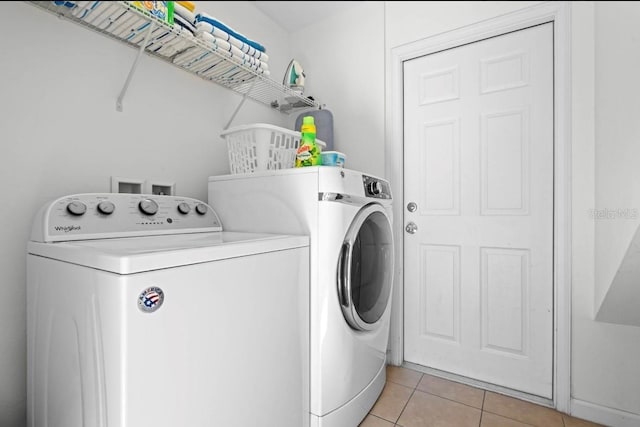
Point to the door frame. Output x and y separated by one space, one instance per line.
559 14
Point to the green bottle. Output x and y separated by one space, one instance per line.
308 153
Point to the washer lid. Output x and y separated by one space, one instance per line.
138 254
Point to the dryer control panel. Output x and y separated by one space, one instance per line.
112 215
376 187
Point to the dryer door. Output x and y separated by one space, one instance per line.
365 268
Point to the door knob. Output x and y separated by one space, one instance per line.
411 228
412 207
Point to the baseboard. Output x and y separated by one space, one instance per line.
603 415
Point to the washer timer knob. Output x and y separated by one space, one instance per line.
375 187
106 207
148 207
184 208
76 208
201 208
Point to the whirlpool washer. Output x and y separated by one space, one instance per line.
142 312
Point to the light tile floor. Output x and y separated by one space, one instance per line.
414 399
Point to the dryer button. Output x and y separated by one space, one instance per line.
375 188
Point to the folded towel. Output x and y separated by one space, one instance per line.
173 46
196 60
125 24
211 66
163 41
184 12
91 11
211 20
126 28
234 51
85 8
177 19
201 60
68 4
104 14
205 27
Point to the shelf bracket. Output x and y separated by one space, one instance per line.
244 98
132 71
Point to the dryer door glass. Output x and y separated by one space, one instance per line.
366 268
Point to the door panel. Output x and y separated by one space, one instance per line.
478 162
440 268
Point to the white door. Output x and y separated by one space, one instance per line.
478 158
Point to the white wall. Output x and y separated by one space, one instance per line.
605 371
343 59
409 21
617 149
61 135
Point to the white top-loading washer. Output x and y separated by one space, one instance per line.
143 312
347 215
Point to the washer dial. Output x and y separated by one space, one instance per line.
201 208
76 208
148 207
106 207
184 208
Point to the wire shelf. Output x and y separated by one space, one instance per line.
136 28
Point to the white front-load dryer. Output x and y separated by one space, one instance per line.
143 312
347 215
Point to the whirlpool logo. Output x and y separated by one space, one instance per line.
67 228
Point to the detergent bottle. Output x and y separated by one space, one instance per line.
308 153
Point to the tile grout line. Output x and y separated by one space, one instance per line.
484 395
513 419
376 416
407 402
451 400
403 408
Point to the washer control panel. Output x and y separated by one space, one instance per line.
376 187
107 215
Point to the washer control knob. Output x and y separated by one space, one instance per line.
148 207
106 207
76 208
375 188
201 208
184 208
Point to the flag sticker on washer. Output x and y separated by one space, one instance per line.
150 299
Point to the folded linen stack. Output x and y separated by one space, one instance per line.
227 44
183 15
111 17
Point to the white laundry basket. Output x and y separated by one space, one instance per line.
261 147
